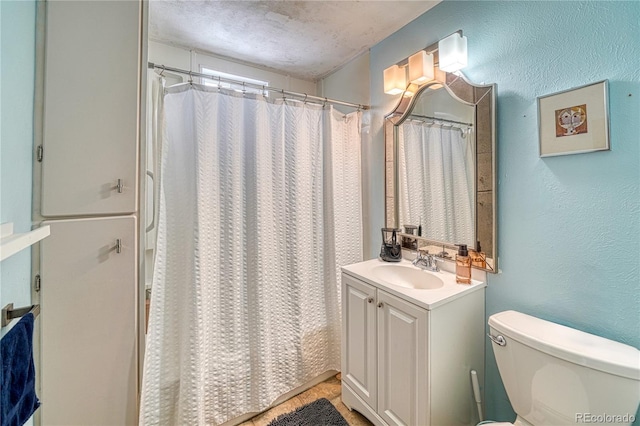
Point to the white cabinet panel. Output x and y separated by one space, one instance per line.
359 338
91 108
88 322
402 361
421 360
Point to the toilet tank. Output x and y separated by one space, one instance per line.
556 375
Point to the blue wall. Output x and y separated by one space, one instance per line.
569 227
16 140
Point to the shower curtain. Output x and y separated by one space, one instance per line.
259 207
436 181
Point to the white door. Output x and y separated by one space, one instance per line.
89 364
359 338
91 92
402 361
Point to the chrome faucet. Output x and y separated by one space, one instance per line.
428 261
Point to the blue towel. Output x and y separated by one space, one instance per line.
18 393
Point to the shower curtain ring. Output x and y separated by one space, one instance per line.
162 72
244 89
325 103
283 96
304 101
219 84
190 78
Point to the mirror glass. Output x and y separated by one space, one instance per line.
436 168
441 168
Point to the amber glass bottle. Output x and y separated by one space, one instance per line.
478 257
463 265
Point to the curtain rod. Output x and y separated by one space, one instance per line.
441 119
303 96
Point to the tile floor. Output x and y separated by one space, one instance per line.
330 389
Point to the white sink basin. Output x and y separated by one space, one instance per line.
407 276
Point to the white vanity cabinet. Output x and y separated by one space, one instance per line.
405 362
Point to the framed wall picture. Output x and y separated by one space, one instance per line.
574 121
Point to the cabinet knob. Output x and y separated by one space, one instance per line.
370 300
120 186
118 247
380 305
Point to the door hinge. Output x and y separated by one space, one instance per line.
40 153
37 282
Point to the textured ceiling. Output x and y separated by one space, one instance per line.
304 39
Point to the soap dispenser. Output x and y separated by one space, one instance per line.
463 265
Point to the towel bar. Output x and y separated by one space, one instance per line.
8 313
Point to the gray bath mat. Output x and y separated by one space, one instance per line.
317 413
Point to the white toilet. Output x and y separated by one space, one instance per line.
556 375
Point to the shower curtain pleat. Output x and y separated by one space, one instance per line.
344 175
252 231
155 112
437 176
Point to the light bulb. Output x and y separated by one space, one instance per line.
421 67
395 80
452 51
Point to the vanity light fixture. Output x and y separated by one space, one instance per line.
395 80
452 56
453 52
421 67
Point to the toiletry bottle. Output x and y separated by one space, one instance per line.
408 242
463 265
478 257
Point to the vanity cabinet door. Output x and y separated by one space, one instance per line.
402 361
359 339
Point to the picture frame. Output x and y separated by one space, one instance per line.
574 121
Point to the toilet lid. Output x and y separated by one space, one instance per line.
569 344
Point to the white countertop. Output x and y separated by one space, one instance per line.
428 299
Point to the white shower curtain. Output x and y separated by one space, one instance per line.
259 207
436 181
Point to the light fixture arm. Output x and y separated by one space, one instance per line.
432 48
